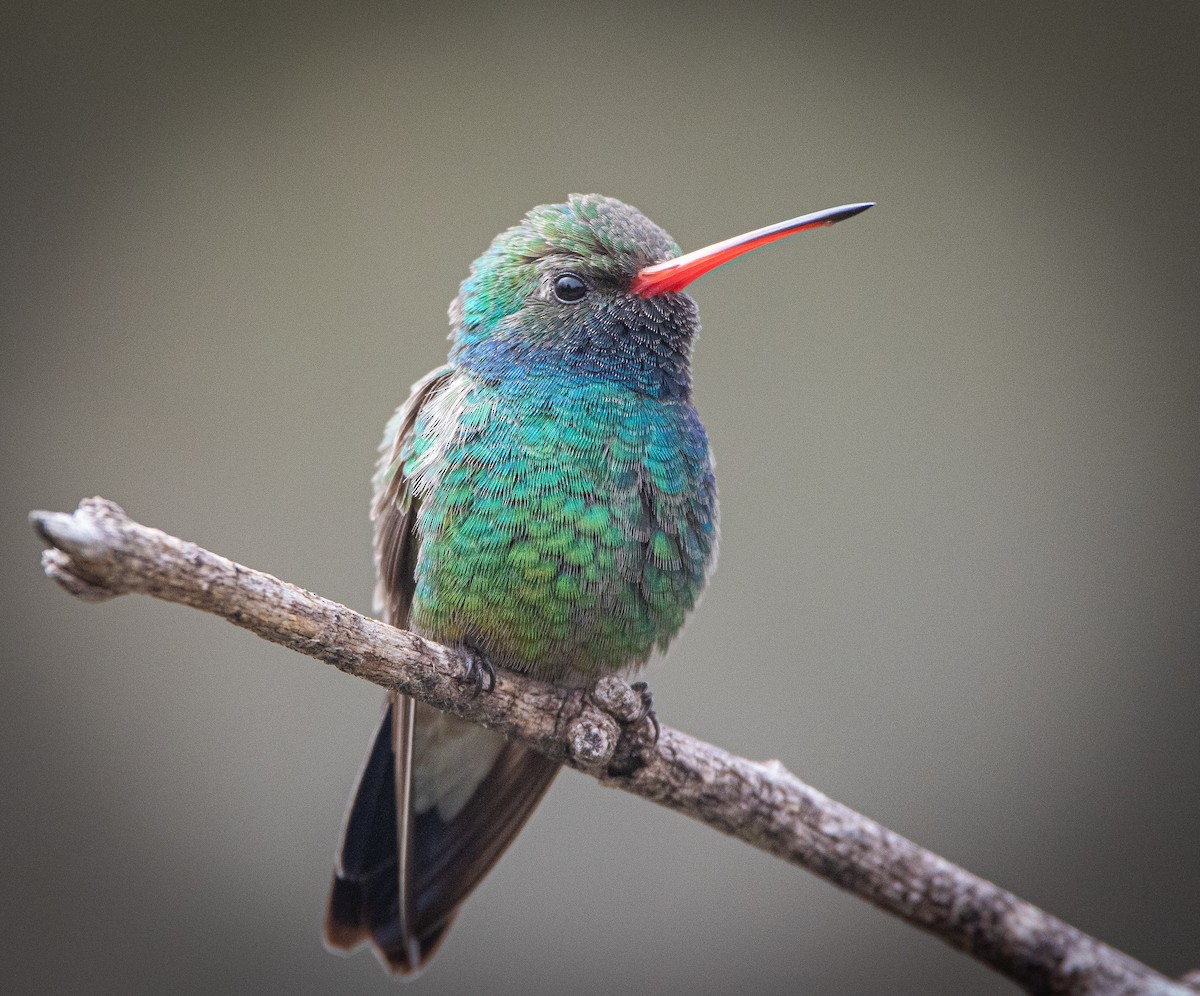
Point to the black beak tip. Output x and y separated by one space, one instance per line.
850 210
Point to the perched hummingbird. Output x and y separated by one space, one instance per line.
547 500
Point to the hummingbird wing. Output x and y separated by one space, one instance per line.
438 800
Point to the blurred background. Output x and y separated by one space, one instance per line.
958 446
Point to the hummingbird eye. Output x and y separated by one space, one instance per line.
569 288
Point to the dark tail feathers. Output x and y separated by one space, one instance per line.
448 859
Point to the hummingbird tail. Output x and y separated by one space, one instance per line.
363 897
447 858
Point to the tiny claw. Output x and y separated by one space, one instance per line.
478 671
643 691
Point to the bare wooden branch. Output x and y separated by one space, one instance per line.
97 552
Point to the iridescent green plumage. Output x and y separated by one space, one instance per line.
565 506
566 526
546 499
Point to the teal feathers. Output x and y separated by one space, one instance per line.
566 525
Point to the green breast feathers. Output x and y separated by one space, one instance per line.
561 528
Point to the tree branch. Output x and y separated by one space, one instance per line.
98 552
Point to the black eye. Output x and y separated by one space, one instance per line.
568 288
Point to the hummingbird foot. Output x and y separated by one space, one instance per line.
479 670
643 691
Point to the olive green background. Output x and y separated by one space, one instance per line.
958 443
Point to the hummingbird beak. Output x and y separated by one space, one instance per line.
676 274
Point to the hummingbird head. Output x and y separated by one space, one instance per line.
553 294
593 289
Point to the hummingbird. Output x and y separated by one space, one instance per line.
546 500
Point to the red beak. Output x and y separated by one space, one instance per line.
676 274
